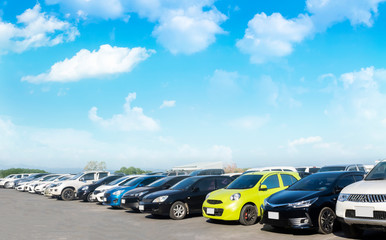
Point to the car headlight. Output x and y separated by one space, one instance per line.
343 197
302 204
119 192
160 199
235 197
207 196
85 188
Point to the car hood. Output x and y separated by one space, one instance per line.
125 188
105 187
162 193
292 196
222 194
366 187
138 190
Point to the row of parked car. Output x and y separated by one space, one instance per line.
279 198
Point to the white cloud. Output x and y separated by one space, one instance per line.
270 37
328 12
85 64
303 141
166 103
34 29
182 26
249 122
132 119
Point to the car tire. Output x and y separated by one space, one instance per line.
6 185
68 194
352 231
326 220
88 198
248 215
177 211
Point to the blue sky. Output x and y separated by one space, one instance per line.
160 83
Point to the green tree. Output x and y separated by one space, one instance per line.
95 166
6 172
131 170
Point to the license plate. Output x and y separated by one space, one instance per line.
141 207
210 211
364 212
273 215
123 201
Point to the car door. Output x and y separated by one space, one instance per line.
197 195
88 178
273 185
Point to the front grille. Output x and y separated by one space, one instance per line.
147 200
379 215
217 212
210 201
370 198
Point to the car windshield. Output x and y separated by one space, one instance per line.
159 182
64 178
245 182
378 172
185 184
332 168
76 176
50 178
315 182
116 181
133 182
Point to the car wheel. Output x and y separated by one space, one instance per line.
6 185
326 220
88 198
248 215
68 194
177 211
352 231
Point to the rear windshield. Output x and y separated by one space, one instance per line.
315 182
331 169
378 172
244 182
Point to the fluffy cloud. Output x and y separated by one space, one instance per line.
85 64
34 29
303 141
132 119
270 37
249 122
182 26
166 103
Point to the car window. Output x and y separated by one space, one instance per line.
207 184
149 180
102 175
271 182
223 182
377 173
277 169
313 170
345 181
287 179
352 168
89 176
362 169
175 180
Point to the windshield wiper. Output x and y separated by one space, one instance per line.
380 178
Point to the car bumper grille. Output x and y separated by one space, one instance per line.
210 201
370 198
379 215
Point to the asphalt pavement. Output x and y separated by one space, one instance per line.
32 216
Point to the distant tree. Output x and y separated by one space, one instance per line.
95 166
6 172
131 170
232 168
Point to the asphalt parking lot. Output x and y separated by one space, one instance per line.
31 216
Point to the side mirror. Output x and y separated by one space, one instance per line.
81 179
263 188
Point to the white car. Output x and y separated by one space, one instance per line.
99 192
40 188
363 204
8 181
67 189
35 186
47 190
269 169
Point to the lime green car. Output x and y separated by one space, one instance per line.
241 199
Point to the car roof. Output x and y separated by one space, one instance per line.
270 172
337 173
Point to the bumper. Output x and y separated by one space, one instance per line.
21 188
299 218
82 195
56 191
155 208
352 213
112 200
98 197
227 212
130 203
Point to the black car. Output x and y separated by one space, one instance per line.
84 193
186 197
131 199
202 172
309 203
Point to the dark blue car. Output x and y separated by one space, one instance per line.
114 195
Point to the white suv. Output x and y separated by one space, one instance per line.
67 189
8 181
363 204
